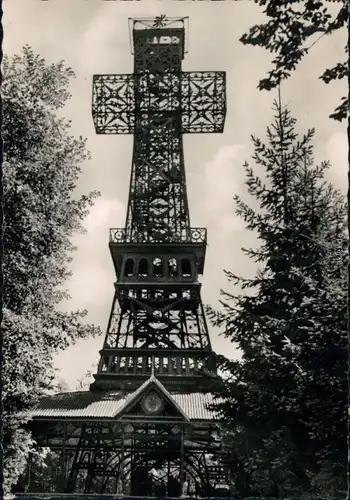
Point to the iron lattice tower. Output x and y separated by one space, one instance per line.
157 316
145 416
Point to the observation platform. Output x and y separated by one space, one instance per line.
188 240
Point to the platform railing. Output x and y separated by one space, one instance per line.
185 235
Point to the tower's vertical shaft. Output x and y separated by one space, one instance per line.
157 209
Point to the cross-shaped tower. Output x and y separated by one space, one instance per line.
157 315
144 427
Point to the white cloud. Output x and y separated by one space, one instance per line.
101 41
74 362
223 179
92 266
337 152
91 286
104 214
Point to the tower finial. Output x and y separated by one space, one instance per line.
160 21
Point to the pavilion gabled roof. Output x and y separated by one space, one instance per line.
89 405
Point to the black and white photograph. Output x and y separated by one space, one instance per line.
175 249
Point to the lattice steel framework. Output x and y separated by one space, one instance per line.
157 323
109 457
158 255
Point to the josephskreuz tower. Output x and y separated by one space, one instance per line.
143 428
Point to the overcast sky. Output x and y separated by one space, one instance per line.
92 37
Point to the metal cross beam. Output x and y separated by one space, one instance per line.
120 101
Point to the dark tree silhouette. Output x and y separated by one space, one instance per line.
292 29
286 400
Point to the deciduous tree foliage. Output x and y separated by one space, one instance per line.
285 401
42 164
291 30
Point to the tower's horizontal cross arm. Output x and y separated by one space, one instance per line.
120 102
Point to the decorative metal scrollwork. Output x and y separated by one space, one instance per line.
190 235
199 98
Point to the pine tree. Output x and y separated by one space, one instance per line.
42 163
285 401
